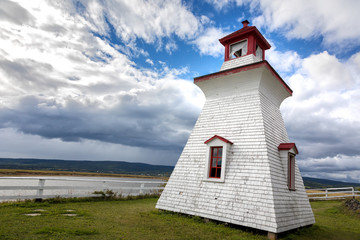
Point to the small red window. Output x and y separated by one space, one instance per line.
215 162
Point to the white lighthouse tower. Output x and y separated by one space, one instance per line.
238 165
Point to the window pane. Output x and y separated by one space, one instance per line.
238 49
214 153
220 152
219 162
218 173
258 52
213 172
213 162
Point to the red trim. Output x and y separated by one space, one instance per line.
251 45
288 146
244 68
227 57
218 137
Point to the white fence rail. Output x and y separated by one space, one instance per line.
332 193
13 188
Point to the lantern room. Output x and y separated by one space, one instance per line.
244 46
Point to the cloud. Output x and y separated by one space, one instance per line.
208 42
331 164
341 167
322 117
149 61
284 62
38 147
223 4
336 21
14 13
170 47
60 79
148 20
155 117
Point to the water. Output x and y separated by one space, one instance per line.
65 186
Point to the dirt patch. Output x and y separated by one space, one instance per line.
353 205
39 210
32 214
70 215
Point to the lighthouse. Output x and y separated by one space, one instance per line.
238 165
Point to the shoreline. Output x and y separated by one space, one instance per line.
27 173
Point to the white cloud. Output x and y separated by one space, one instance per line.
149 20
13 12
284 62
223 4
337 21
208 42
170 47
323 114
149 61
61 81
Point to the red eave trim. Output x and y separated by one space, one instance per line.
245 68
241 31
221 138
288 146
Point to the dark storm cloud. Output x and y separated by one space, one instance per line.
161 125
322 136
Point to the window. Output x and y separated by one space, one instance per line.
291 171
288 152
238 49
215 165
259 52
215 161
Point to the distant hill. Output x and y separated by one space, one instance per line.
117 167
120 167
325 183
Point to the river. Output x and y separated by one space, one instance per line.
66 186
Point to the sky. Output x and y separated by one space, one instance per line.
113 79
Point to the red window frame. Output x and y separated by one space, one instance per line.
291 171
215 162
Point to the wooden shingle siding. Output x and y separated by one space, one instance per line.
243 109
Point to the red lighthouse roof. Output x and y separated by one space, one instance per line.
288 146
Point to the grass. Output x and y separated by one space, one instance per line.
138 219
333 222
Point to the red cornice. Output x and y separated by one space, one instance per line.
244 68
218 137
288 146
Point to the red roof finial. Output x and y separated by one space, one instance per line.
245 23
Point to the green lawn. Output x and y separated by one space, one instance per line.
138 219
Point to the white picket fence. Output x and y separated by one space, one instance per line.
13 188
332 193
